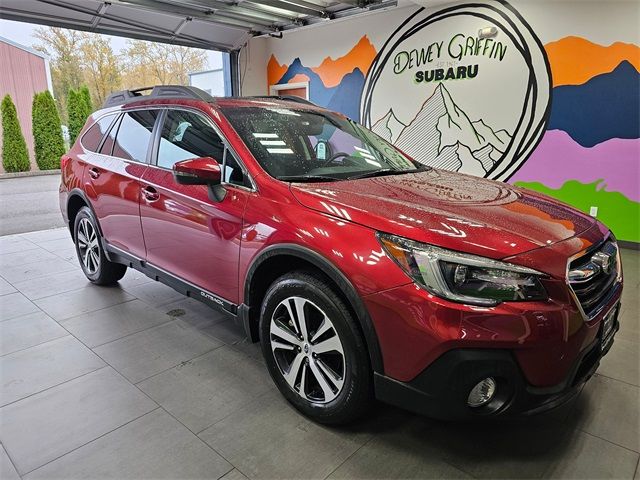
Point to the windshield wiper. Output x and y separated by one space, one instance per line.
307 178
387 171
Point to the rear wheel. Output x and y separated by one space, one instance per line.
314 350
95 265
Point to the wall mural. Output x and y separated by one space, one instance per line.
488 107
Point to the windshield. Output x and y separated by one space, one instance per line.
302 145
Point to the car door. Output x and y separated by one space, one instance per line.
112 179
188 232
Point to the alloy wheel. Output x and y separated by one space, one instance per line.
88 246
307 350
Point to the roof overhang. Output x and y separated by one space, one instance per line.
211 24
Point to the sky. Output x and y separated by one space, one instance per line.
22 33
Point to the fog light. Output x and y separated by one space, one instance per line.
482 393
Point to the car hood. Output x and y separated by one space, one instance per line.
450 210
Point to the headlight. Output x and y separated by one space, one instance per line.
461 277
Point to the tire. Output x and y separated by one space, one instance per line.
292 354
93 261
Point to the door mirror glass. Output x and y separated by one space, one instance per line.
197 171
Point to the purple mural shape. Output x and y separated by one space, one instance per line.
558 158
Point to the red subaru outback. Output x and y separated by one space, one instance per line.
360 272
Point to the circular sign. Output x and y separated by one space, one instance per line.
465 88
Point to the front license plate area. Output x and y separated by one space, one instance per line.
608 328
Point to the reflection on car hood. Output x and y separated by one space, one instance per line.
451 210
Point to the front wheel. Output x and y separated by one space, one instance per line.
95 265
314 350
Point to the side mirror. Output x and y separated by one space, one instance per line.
197 171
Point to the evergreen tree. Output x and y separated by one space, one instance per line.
76 109
84 91
15 156
47 131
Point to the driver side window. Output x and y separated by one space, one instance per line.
187 135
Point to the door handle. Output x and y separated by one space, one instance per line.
150 194
94 172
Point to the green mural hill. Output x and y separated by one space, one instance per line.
614 209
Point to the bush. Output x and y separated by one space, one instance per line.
47 131
15 156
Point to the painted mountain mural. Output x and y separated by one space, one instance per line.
442 135
604 107
336 83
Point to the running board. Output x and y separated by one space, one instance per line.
188 289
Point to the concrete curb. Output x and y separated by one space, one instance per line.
32 173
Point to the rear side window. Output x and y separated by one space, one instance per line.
110 139
134 135
93 136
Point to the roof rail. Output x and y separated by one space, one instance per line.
159 91
290 98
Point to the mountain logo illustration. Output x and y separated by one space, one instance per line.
443 136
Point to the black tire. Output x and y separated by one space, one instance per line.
98 269
355 393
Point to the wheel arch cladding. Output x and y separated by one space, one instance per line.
278 260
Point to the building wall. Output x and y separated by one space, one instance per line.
549 103
22 75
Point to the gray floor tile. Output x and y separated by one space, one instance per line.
609 409
20 273
15 243
41 236
133 278
27 331
193 312
25 257
255 438
7 470
15 305
37 368
87 299
152 351
234 474
154 446
6 287
623 361
591 457
384 458
112 323
204 390
502 449
45 426
63 248
155 293
55 284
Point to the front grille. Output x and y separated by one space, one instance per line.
593 275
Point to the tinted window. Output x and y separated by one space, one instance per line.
109 141
92 137
187 135
134 134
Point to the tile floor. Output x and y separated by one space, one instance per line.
135 381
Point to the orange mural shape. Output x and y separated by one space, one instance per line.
360 56
275 71
575 60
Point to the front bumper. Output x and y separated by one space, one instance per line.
442 389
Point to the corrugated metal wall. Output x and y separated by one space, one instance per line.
21 75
